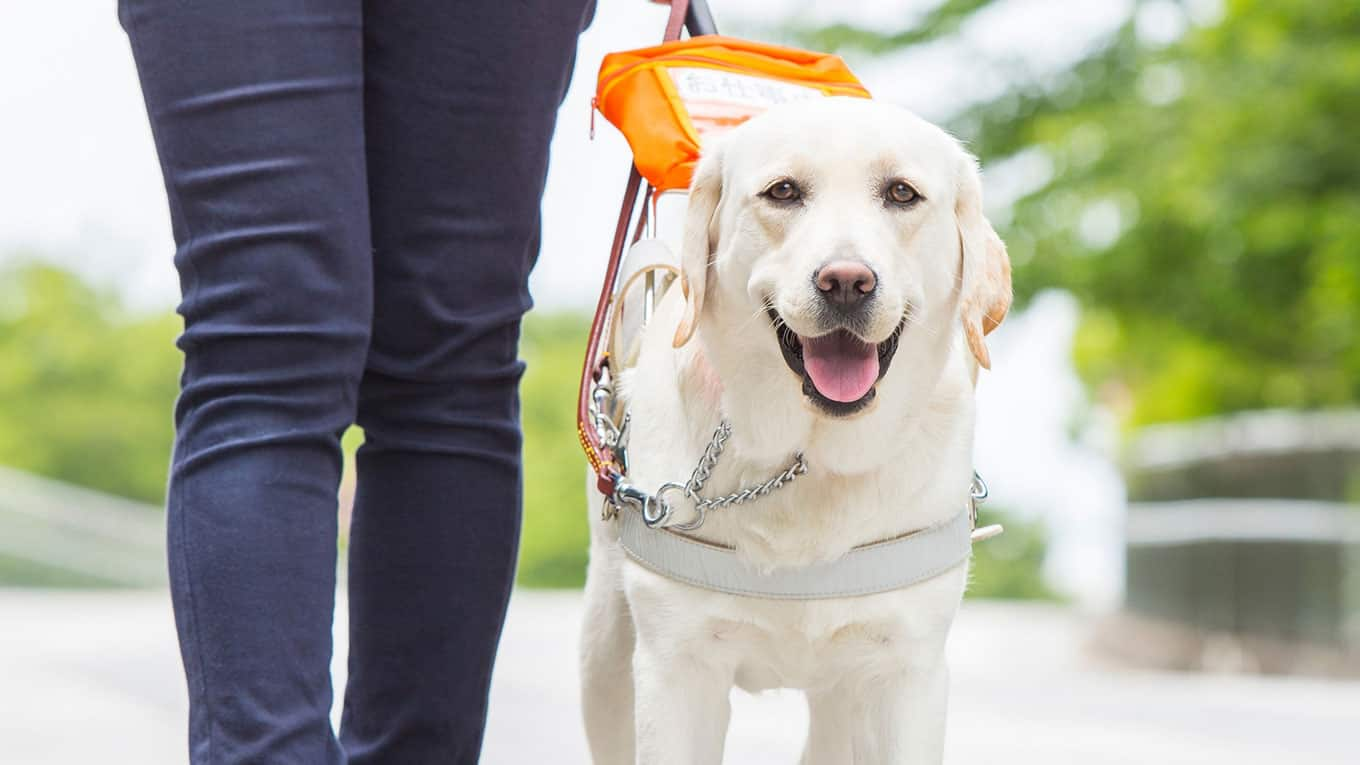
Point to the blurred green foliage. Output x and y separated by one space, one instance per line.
87 389
1200 196
555 539
1010 565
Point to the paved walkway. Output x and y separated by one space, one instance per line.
94 677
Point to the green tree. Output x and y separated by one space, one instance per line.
1010 566
85 388
553 547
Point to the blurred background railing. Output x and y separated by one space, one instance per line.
1244 545
57 535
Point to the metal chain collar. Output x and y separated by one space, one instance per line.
658 509
709 460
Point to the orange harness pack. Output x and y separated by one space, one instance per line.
668 98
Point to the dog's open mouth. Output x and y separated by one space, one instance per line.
838 369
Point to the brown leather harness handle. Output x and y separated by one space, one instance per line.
694 15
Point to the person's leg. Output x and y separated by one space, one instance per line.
257 111
461 100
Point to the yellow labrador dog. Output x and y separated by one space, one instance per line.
839 277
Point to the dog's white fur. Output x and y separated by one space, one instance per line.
659 657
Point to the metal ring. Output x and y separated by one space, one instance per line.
685 491
698 521
670 486
978 490
658 511
602 393
977 494
655 513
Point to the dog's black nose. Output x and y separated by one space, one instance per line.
845 283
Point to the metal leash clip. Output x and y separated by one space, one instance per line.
977 494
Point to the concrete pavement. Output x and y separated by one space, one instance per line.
94 677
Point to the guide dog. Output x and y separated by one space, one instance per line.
839 277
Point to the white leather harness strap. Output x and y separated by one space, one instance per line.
879 567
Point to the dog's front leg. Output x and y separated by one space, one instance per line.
907 710
607 640
834 714
682 707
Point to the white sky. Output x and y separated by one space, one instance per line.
79 185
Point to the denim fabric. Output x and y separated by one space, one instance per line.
354 188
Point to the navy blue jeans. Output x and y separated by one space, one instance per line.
354 187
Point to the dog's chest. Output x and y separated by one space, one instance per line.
819 516
792 657
818 644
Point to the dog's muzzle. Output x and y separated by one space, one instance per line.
839 371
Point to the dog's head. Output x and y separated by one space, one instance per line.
837 236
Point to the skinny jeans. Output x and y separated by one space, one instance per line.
354 190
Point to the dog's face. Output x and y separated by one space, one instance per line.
842 234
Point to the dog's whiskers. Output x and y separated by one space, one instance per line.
913 320
765 306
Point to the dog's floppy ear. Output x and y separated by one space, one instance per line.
696 250
985 285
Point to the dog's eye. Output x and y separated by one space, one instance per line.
783 191
901 193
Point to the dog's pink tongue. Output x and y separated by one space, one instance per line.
842 366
